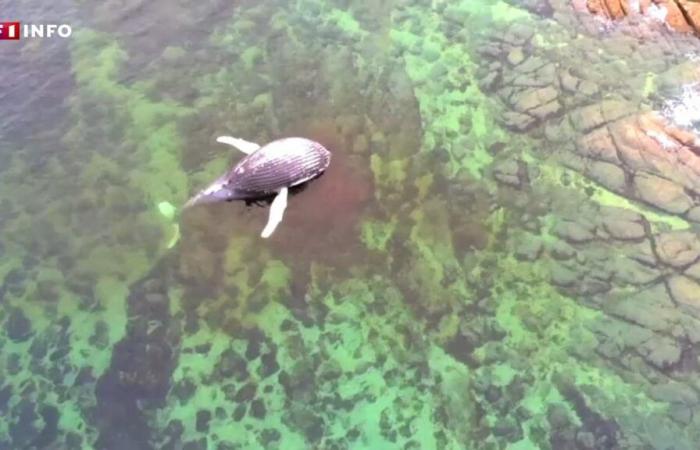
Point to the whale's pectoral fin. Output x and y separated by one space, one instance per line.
242 145
279 204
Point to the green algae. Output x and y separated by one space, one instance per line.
553 172
111 295
459 118
148 124
346 22
609 198
374 320
649 84
110 115
376 234
561 326
388 174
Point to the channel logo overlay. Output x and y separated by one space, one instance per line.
9 31
14 31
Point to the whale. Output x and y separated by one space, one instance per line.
267 171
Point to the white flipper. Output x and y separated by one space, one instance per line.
279 204
242 145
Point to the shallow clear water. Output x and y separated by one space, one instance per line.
504 253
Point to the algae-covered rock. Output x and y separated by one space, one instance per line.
529 249
686 292
575 232
673 392
17 326
512 173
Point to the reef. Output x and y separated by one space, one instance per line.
505 252
680 15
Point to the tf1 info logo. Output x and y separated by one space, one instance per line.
13 31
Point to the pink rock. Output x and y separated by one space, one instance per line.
598 145
662 193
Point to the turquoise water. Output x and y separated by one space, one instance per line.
504 253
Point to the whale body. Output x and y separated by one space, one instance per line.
266 171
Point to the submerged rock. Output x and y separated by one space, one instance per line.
662 193
623 224
511 172
674 392
17 326
528 248
686 292
678 249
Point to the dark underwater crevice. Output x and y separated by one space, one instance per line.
139 375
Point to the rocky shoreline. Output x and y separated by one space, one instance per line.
680 15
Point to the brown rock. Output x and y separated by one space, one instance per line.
623 224
587 87
686 292
607 174
694 214
615 109
517 121
568 82
694 271
574 232
612 9
625 231
531 64
676 17
508 172
598 145
532 98
636 144
548 74
678 248
587 118
527 81
682 15
547 110
592 286
629 271
662 193
691 10
642 252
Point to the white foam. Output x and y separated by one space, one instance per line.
658 13
684 111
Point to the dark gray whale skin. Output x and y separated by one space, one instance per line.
286 162
282 163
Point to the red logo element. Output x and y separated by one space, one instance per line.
9 31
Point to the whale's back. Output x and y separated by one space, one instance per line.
282 163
